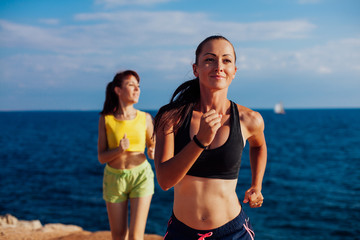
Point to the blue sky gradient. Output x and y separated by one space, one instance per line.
59 55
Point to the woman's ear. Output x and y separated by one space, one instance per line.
196 74
117 90
235 72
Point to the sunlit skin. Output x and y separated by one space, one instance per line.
205 203
215 68
119 158
129 92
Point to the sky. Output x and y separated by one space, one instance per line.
60 55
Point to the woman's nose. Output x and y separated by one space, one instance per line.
219 67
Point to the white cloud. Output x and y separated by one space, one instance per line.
335 57
273 30
309 1
105 32
49 21
160 42
324 70
68 39
115 3
183 25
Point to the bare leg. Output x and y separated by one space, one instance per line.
118 213
139 209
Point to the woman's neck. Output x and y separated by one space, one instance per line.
217 101
126 111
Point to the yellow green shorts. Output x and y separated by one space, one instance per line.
122 184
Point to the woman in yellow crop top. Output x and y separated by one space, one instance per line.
124 132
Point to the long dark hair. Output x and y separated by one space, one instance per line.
185 96
111 104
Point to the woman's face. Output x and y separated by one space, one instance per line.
129 91
215 65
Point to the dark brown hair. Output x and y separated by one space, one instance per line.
111 103
185 96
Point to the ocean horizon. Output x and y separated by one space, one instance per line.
311 187
154 110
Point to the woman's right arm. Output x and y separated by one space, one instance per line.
172 169
105 155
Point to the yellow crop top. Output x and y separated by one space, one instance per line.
135 130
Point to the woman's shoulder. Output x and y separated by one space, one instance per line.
251 119
102 117
144 114
106 117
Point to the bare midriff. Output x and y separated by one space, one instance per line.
204 203
128 160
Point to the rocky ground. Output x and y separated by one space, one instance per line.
13 229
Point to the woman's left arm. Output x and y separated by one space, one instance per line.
150 137
258 159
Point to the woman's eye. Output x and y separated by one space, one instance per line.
209 60
227 61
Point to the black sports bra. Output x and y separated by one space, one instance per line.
222 162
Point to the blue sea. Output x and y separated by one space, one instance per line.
49 171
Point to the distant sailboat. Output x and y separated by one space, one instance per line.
279 108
